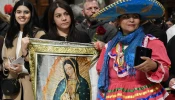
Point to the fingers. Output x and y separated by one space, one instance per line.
25 40
16 68
12 69
99 45
24 45
172 82
147 65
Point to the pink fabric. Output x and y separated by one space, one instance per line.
159 54
141 78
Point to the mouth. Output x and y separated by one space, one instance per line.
22 19
132 25
65 23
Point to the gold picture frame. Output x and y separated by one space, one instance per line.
50 71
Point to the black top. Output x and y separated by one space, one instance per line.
77 36
91 30
154 30
171 54
3 28
1 44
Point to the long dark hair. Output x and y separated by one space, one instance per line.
15 27
52 33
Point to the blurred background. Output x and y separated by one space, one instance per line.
41 5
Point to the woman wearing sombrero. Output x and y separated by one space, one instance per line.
119 77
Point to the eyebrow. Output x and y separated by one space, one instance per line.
57 13
23 10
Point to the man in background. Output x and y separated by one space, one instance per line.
90 25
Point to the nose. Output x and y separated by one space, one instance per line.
63 17
22 13
93 10
131 19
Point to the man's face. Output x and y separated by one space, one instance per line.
90 8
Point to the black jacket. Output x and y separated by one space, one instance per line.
1 44
154 30
171 55
91 30
76 36
3 28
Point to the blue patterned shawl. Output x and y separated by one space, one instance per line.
133 40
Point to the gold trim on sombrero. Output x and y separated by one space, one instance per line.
147 8
120 10
121 1
158 3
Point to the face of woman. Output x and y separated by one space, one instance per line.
22 15
169 24
62 19
69 70
129 23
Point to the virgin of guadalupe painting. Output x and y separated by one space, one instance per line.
60 70
73 86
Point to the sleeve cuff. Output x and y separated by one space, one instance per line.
156 76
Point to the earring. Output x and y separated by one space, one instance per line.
119 28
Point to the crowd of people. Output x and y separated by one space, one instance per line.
125 26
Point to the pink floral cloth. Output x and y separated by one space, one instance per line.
144 86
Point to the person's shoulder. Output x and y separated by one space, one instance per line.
78 25
83 23
172 40
80 32
108 26
81 36
38 32
171 29
155 41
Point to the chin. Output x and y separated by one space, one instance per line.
22 23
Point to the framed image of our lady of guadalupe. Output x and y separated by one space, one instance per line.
60 70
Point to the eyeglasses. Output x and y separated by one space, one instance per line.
127 16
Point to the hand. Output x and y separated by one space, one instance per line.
7 66
24 45
8 62
16 68
171 83
147 65
99 45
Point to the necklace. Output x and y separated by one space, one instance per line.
120 65
120 54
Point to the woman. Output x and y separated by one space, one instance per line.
119 78
73 86
170 83
62 24
23 24
169 22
